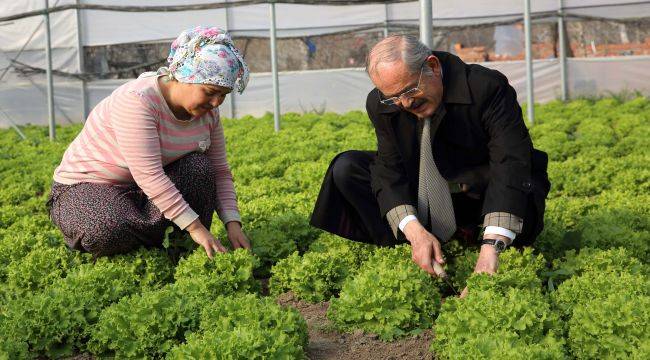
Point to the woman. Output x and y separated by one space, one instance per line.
153 153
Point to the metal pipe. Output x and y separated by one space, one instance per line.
13 125
426 26
274 69
530 99
82 67
232 93
386 20
50 82
562 51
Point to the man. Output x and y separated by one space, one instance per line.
453 155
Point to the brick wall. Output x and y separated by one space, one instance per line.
548 50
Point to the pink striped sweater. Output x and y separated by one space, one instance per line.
132 134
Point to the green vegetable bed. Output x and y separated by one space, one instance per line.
583 292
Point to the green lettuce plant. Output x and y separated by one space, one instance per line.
575 263
40 268
270 245
390 296
319 274
594 286
56 321
499 316
228 273
146 325
616 326
245 327
605 312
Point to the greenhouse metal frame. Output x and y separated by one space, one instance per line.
69 25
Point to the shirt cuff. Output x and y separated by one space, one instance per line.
185 218
227 216
407 219
497 230
504 220
397 214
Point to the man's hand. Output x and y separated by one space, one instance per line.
424 246
236 236
202 236
488 261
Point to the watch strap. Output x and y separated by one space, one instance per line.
493 242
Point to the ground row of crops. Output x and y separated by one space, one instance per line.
583 292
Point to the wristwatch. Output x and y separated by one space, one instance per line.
499 245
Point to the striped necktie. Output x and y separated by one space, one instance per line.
434 198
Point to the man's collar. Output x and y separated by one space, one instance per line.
454 82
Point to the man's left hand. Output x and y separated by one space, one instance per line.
488 259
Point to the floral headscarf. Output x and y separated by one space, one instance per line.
207 55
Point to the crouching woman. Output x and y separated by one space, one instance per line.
153 154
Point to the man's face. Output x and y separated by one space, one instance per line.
392 79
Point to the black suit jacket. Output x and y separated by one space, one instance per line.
482 141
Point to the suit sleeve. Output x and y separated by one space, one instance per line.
510 151
388 177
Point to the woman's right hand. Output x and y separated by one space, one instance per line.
202 236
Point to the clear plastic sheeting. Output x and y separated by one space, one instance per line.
101 27
63 59
110 27
30 32
546 80
621 9
22 82
334 90
600 76
26 102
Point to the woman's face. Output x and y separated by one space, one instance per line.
198 99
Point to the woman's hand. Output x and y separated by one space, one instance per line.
236 236
202 236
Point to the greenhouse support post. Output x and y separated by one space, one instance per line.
426 30
274 69
80 62
232 94
561 31
386 20
50 85
530 101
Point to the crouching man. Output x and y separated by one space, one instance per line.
454 158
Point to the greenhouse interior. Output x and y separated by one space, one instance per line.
261 179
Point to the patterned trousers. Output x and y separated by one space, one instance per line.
106 219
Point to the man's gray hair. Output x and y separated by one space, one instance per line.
406 48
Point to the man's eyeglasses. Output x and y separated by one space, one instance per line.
405 95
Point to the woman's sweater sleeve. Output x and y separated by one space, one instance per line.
226 195
136 132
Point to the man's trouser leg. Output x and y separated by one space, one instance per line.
351 175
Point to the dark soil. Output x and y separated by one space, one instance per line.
326 343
